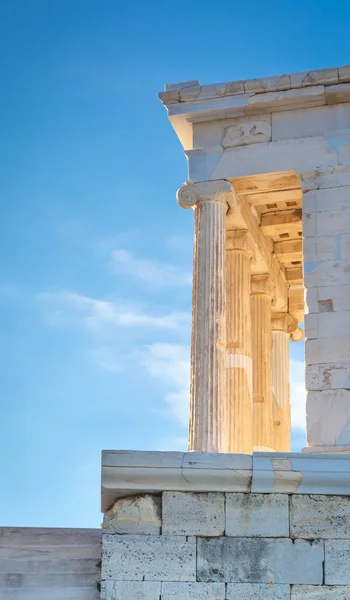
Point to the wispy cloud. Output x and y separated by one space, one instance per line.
99 315
170 363
153 272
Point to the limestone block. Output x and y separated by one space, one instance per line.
320 248
320 592
139 514
328 376
327 273
286 100
326 350
327 324
336 94
140 557
300 154
193 591
328 298
309 224
328 418
302 473
257 515
326 223
330 199
234 87
267 84
307 122
344 73
325 177
318 516
337 561
130 590
325 76
344 253
138 472
259 560
309 201
193 514
257 591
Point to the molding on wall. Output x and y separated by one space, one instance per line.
128 473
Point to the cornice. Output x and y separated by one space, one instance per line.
128 473
190 102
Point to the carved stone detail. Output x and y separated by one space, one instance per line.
247 131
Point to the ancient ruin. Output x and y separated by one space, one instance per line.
269 184
239 517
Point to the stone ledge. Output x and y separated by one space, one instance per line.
128 473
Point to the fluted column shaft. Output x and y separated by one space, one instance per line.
280 383
208 374
238 346
261 353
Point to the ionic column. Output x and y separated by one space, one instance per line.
261 353
280 382
208 374
238 346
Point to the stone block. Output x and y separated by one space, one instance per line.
344 73
130 590
309 224
140 557
327 222
257 591
328 418
332 198
344 247
138 473
337 561
325 177
309 122
137 514
333 222
326 350
257 515
295 154
193 591
317 516
193 514
336 94
328 376
286 100
320 248
327 273
305 78
327 324
259 560
320 592
328 298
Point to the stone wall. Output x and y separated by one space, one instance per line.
234 546
39 563
326 229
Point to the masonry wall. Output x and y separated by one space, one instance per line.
234 546
38 563
326 246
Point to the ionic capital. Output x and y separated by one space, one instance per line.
289 324
262 284
190 194
238 239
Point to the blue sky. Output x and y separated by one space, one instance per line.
95 260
